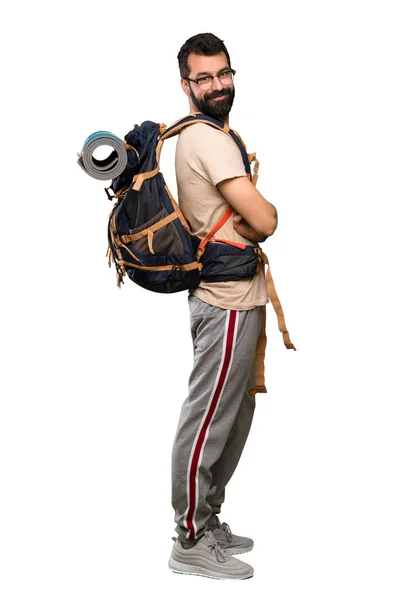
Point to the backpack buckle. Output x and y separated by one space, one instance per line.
108 194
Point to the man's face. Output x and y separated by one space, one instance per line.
217 99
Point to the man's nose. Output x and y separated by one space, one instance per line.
217 85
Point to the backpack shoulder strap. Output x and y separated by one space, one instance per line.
175 128
199 117
191 119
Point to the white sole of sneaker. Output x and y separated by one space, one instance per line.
183 569
238 551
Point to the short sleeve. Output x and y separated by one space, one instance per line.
216 157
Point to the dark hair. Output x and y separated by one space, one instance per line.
205 44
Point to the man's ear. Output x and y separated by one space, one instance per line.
185 87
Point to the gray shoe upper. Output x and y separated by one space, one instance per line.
232 543
208 557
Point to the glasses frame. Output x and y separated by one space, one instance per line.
232 71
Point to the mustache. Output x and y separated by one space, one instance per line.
216 94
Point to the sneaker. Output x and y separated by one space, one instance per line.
233 544
209 559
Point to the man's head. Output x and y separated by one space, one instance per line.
201 57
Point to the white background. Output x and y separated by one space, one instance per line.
94 376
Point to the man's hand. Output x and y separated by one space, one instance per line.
246 231
259 215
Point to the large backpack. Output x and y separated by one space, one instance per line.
149 237
151 241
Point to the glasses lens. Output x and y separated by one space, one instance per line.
226 76
205 82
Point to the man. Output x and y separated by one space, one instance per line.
226 320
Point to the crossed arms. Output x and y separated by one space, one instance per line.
257 218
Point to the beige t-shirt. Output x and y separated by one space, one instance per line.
204 157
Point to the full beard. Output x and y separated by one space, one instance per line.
218 108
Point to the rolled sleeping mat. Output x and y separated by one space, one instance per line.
108 168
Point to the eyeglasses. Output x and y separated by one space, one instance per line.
206 81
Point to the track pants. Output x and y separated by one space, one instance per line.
216 416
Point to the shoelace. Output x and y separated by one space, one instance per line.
218 548
225 527
216 545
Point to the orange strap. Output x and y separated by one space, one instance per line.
177 129
138 179
277 307
186 267
260 358
252 158
129 147
236 244
262 340
126 239
214 230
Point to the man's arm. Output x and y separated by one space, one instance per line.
259 214
246 231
